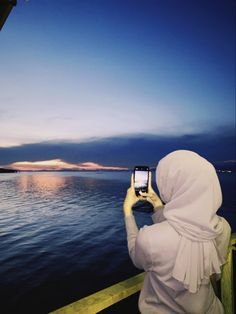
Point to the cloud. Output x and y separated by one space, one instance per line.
58 164
126 151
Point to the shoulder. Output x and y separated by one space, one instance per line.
158 243
162 228
157 235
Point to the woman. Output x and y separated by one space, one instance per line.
188 242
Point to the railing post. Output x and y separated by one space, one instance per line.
227 284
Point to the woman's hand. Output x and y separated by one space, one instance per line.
131 198
151 196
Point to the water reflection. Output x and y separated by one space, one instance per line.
56 226
43 184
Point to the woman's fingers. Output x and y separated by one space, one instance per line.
144 194
150 180
132 180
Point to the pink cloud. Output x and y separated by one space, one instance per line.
58 164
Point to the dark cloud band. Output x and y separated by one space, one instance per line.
126 151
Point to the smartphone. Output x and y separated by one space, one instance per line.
141 175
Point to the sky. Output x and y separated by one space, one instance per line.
81 79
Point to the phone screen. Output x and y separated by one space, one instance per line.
141 179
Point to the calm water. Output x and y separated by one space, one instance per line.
62 236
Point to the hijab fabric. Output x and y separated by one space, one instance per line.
189 186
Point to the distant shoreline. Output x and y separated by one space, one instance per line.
4 170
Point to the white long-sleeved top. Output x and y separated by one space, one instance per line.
154 248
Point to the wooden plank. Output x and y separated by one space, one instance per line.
104 298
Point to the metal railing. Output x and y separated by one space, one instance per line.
104 298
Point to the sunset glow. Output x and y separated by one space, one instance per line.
117 84
58 164
45 185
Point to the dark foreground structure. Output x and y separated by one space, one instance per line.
5 9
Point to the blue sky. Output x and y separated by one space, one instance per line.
76 70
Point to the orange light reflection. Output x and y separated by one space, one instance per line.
42 184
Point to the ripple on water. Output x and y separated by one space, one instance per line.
62 236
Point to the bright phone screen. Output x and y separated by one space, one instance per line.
140 179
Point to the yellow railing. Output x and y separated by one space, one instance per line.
104 298
227 282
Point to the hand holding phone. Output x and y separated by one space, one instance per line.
140 190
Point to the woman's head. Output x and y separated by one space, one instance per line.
182 170
189 186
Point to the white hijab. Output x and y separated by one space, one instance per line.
189 186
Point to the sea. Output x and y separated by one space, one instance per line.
62 235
